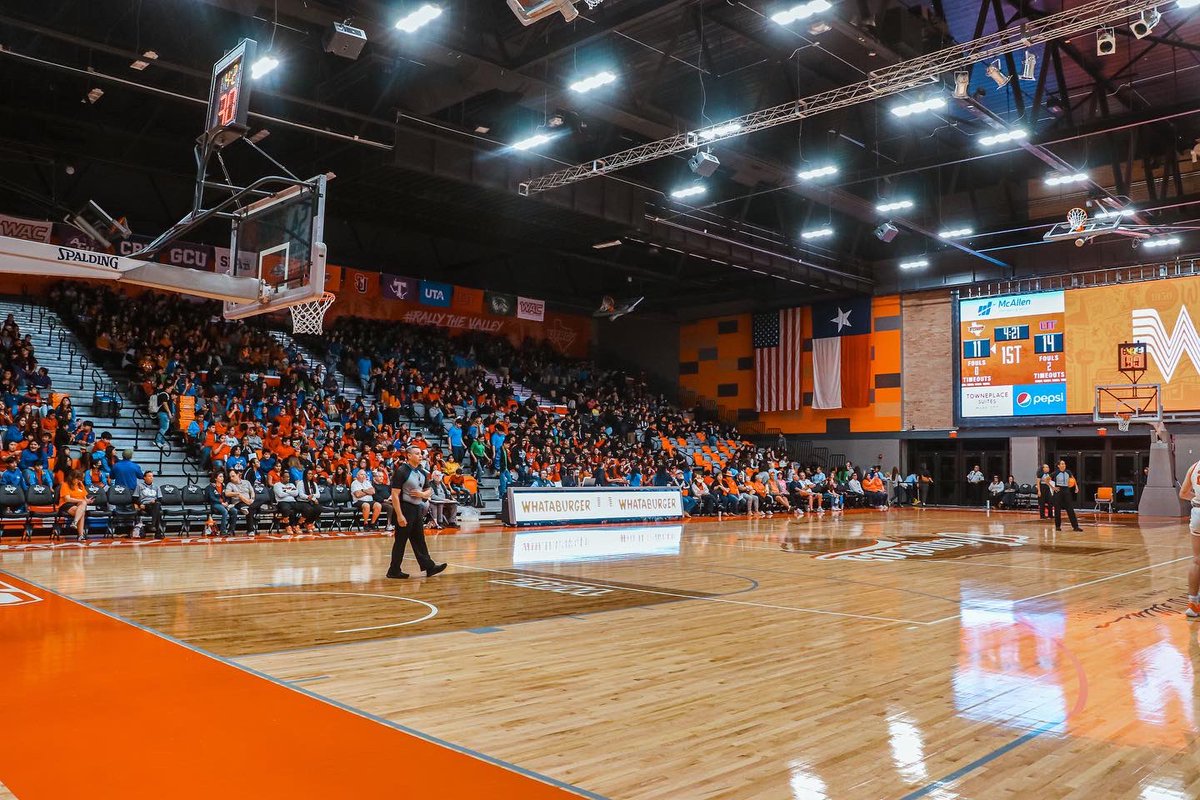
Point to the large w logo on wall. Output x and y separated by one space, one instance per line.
1167 351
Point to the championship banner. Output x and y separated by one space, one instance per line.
30 229
550 506
396 288
467 299
436 294
500 305
528 308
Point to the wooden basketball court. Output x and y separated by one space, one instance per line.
878 655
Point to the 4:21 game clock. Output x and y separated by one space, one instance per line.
229 96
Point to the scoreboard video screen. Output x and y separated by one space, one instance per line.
1012 359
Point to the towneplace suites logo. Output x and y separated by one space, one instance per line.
943 545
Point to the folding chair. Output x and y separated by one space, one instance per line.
41 503
121 511
1104 496
12 510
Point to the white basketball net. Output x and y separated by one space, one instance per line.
1076 218
1123 421
310 317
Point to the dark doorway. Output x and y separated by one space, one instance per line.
1116 461
949 461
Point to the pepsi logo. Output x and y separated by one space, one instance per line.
1024 399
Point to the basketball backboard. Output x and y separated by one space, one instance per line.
1125 403
1063 231
279 241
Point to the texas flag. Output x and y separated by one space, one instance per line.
841 353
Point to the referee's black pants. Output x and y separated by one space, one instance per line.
413 530
1064 500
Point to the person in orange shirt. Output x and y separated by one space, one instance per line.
73 500
873 490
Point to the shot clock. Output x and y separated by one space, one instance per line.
229 96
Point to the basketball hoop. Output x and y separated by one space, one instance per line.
1123 418
1077 218
310 317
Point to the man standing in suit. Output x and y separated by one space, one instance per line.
410 496
1063 486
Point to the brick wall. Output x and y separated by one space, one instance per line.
928 342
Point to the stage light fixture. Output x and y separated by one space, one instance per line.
819 27
801 11
263 65
817 172
915 264
1061 180
409 23
1161 241
893 205
1143 25
1029 67
962 85
1108 214
530 11
955 233
593 82
1106 42
995 73
704 164
1000 138
929 104
536 140
817 233
141 63
716 132
1187 3
690 191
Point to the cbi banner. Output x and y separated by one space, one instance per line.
554 506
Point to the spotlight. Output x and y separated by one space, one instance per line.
955 233
530 11
345 40
894 205
817 172
716 132
1000 138
594 82
962 85
817 233
886 232
1187 3
690 191
533 141
1060 180
1028 67
262 66
1162 241
418 19
703 164
799 12
1106 42
909 109
819 27
1142 26
915 264
993 72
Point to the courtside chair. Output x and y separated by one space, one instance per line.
266 505
42 505
121 512
12 510
329 516
171 505
195 508
1104 496
98 518
345 512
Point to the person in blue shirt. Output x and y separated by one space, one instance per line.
33 455
126 472
497 449
37 475
364 369
635 476
12 475
455 435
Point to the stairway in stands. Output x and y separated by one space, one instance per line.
76 375
351 389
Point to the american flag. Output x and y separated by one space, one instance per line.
777 346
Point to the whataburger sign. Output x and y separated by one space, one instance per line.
941 546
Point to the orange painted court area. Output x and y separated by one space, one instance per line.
97 708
